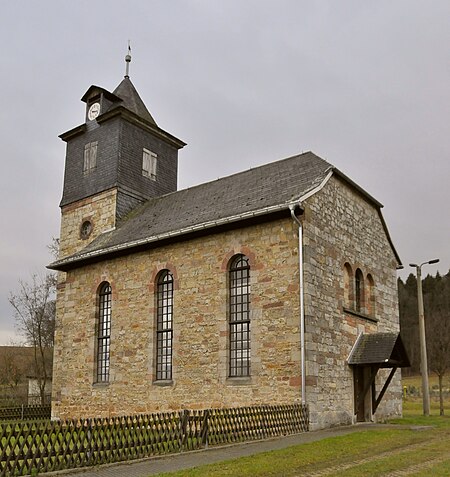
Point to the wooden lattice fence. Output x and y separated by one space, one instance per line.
27 447
25 412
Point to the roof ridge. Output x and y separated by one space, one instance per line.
262 166
234 174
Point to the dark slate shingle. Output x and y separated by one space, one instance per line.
385 349
275 184
131 100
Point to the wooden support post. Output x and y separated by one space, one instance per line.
386 384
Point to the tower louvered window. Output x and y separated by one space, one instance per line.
149 164
164 326
104 333
239 317
90 157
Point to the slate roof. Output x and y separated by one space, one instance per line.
256 192
385 349
125 95
265 189
131 100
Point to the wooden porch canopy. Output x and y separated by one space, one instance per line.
376 351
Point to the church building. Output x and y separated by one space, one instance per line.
275 285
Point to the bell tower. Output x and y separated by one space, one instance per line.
116 160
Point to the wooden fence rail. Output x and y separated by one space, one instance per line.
27 447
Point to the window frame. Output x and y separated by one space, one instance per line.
359 291
370 295
239 319
90 157
149 164
164 326
103 334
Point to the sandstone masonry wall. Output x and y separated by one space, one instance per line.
200 327
99 209
340 226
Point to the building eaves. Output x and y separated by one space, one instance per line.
131 116
94 90
109 250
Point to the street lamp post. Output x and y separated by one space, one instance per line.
423 342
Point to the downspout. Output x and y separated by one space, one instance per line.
301 297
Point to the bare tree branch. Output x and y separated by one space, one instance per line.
34 309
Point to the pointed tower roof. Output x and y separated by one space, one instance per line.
131 100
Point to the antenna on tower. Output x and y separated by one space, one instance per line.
128 61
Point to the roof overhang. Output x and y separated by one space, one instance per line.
206 228
97 90
384 350
141 122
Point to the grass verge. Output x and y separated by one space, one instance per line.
372 453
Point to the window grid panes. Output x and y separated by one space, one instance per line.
240 317
164 331
104 334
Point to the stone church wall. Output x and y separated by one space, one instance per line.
341 227
200 360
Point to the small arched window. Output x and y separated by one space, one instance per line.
370 287
348 286
359 291
164 325
103 333
239 316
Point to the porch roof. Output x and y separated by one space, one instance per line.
386 350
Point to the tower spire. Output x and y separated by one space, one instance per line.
128 61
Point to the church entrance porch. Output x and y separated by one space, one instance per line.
370 353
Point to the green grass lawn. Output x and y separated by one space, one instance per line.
372 453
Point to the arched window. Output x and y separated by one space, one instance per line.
359 291
370 301
164 325
103 333
348 286
239 316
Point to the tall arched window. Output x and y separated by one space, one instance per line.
359 291
164 326
239 316
348 286
104 333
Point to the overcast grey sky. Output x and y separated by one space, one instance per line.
363 84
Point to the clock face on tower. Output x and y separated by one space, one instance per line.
94 111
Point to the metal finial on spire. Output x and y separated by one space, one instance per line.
128 61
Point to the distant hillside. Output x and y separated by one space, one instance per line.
436 297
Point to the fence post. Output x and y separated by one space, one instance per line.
22 413
89 440
184 425
204 429
264 422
